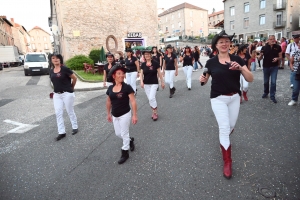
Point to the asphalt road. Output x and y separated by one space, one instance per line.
176 157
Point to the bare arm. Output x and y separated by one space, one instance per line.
137 65
142 78
74 80
104 78
134 108
292 63
108 108
246 73
161 78
160 61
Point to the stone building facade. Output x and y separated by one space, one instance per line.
78 27
251 20
20 37
215 20
6 35
40 40
184 20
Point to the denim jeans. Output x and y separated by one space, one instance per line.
270 72
292 77
253 66
195 65
296 89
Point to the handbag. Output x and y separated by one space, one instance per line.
51 95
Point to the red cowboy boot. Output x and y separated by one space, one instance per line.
154 115
245 96
227 172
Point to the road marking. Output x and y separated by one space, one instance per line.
22 128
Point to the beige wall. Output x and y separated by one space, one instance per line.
40 40
191 21
86 24
19 39
215 19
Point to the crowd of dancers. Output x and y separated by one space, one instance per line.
230 68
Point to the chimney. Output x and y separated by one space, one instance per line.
12 20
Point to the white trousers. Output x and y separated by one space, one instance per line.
108 84
60 100
226 110
131 79
150 90
244 84
121 126
169 77
188 70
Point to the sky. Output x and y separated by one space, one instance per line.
28 13
31 13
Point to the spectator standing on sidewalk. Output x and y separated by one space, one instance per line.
107 81
170 68
225 70
242 53
271 53
150 70
294 66
283 45
64 81
258 49
188 61
118 109
290 50
133 67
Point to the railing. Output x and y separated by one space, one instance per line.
279 24
281 6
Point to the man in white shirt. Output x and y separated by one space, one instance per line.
290 50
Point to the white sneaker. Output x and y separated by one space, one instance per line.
292 86
292 103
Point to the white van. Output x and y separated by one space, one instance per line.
36 62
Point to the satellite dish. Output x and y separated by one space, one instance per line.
55 29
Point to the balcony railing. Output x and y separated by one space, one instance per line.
279 24
281 6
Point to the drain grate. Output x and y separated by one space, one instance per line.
3 102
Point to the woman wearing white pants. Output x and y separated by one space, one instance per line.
118 109
225 70
64 81
170 68
133 67
242 53
188 62
150 70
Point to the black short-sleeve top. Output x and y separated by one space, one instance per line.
130 64
188 60
108 79
224 81
156 57
61 80
170 64
150 72
119 100
269 54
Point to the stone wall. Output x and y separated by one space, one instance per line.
86 24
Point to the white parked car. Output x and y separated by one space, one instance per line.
36 62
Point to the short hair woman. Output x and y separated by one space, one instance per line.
118 109
64 81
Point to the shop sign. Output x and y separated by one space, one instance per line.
134 35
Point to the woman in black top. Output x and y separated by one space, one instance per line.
118 109
150 70
188 62
133 67
225 70
107 81
170 68
156 56
242 53
197 59
64 81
